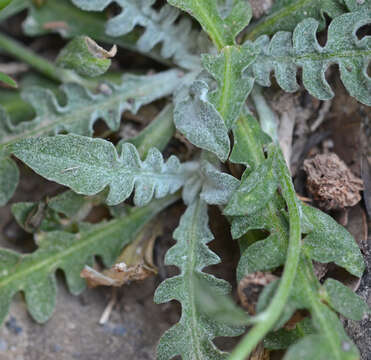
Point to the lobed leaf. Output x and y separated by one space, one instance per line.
89 165
284 53
34 274
255 191
81 111
286 14
65 19
323 234
191 255
165 27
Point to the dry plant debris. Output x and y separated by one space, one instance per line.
331 183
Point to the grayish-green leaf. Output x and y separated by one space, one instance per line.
331 242
85 56
217 186
284 53
356 5
71 204
223 20
79 114
248 141
200 122
9 177
89 165
317 346
34 273
282 339
207 181
228 69
83 108
255 191
192 336
344 300
243 224
263 255
33 217
218 307
286 14
164 27
64 18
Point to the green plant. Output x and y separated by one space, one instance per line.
209 103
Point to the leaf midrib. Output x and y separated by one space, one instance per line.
191 270
76 115
56 260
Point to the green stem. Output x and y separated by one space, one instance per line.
268 318
42 65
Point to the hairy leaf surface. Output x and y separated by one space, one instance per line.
284 53
255 191
80 112
212 185
223 20
306 293
192 337
89 165
200 122
329 241
344 300
164 27
34 273
233 84
286 14
62 17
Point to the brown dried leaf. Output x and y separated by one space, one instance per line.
331 182
98 51
135 262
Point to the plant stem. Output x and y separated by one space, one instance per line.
269 317
42 65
